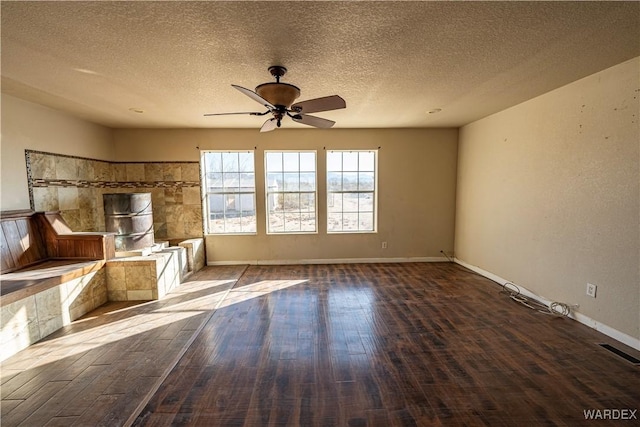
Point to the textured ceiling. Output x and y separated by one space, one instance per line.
391 61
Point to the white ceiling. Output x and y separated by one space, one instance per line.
391 61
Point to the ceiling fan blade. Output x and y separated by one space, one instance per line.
333 102
251 94
252 113
269 125
314 121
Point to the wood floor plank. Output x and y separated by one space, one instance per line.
320 345
33 403
390 344
8 405
65 397
61 422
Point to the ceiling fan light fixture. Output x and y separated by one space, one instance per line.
283 94
278 99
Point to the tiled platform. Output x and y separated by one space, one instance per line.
30 314
32 311
145 278
152 276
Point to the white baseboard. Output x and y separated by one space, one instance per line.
328 261
585 320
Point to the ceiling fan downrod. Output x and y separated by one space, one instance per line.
277 71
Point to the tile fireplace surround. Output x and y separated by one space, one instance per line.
75 185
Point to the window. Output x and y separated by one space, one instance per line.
291 191
351 191
229 183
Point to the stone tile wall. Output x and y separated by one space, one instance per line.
196 257
75 185
145 278
32 318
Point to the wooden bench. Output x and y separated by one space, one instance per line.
49 275
28 237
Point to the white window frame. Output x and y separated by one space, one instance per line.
269 193
206 193
357 191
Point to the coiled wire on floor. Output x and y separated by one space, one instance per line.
555 308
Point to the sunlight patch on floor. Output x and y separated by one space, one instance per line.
95 330
258 289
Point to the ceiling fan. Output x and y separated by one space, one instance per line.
278 98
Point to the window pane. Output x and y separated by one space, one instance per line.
367 161
216 206
334 161
213 162
247 182
366 181
274 182
249 224
276 222
308 222
216 226
214 181
292 221
231 182
350 202
308 202
292 202
274 162
334 181
366 222
350 221
307 181
350 181
307 162
365 202
230 162
232 225
334 202
229 203
334 222
246 162
291 181
350 161
291 162
246 201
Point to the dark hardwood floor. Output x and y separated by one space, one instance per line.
323 345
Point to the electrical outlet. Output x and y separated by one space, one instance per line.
384 245
591 290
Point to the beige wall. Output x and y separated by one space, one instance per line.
30 126
417 178
549 195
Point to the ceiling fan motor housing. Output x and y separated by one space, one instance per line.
279 94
